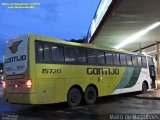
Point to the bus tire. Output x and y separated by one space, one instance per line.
144 87
90 95
74 97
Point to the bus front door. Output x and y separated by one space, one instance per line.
152 75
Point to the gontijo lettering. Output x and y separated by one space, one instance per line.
102 71
15 59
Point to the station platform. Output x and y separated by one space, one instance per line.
152 94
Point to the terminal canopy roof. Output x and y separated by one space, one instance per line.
118 20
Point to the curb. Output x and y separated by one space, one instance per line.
149 98
150 95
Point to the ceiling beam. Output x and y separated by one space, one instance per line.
147 46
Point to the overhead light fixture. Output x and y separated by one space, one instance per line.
144 53
137 35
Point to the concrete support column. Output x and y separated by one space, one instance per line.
158 66
140 48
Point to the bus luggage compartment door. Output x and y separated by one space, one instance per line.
46 91
51 90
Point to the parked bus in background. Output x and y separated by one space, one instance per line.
44 70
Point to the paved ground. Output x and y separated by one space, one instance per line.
104 109
155 94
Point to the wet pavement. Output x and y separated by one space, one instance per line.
105 106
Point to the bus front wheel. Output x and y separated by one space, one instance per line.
90 95
144 87
74 97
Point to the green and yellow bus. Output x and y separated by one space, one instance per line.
44 70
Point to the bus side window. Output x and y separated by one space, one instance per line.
109 58
82 56
129 60
134 60
123 59
139 61
40 52
57 53
91 57
46 52
100 58
144 62
116 59
70 54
